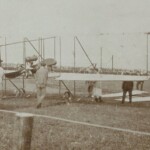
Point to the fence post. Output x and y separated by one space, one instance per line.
23 131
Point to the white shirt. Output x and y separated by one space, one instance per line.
41 77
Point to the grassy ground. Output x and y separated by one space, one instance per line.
54 134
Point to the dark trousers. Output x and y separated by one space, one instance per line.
124 95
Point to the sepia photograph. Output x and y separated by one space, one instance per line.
75 75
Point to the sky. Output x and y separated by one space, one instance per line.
122 22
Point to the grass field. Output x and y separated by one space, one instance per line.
55 134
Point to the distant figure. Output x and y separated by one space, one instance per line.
41 78
139 85
1 77
90 88
97 92
127 86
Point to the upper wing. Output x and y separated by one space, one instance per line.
53 75
100 77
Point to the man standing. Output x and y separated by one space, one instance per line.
127 86
41 77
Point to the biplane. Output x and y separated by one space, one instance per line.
77 77
73 76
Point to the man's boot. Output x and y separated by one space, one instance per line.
39 105
123 101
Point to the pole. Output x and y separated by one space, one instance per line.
24 61
147 52
2 77
43 49
54 48
74 65
39 46
101 60
60 65
0 54
23 131
112 63
5 63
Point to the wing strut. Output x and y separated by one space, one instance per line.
67 87
34 48
86 54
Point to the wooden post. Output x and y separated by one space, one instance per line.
23 131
